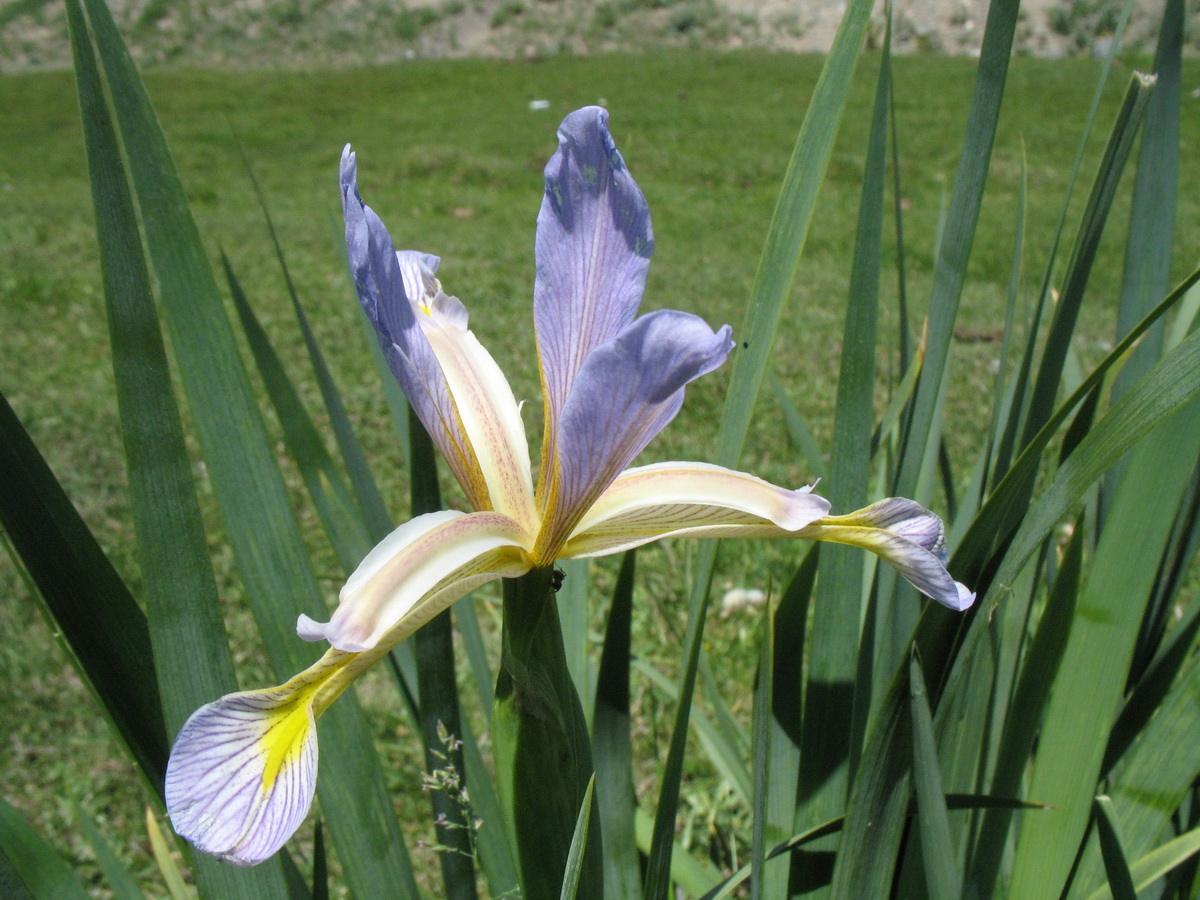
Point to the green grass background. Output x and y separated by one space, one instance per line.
450 155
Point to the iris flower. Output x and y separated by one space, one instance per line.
243 770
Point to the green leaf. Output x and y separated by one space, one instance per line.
612 746
763 701
540 742
1024 716
834 714
1159 862
570 887
659 867
120 882
691 875
249 488
797 431
100 623
944 881
954 249
1099 649
29 866
1120 881
374 511
878 803
1087 244
326 488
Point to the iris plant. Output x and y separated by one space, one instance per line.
243 769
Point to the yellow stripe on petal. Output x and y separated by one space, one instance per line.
242 773
677 498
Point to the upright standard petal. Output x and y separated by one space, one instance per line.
487 409
625 394
384 281
593 248
695 499
908 537
416 572
243 769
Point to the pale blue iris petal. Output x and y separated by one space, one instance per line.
383 280
215 790
593 249
625 394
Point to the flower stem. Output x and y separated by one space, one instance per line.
543 752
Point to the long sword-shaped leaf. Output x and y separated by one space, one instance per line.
1159 862
98 619
29 866
1095 664
944 881
612 748
570 885
834 712
120 882
955 248
245 477
1108 830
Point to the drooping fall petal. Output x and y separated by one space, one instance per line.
593 248
416 572
243 769
905 535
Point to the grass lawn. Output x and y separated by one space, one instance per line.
450 155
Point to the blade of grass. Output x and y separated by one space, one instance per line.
163 859
1038 671
1149 786
324 482
763 703
573 614
578 841
100 624
834 711
1159 862
797 432
1087 244
1019 406
955 248
1101 644
120 882
944 881
1120 881
441 722
691 875
659 866
34 869
245 477
374 511
491 835
787 707
612 747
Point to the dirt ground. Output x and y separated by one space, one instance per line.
310 33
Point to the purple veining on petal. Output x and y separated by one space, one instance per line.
214 788
593 248
625 394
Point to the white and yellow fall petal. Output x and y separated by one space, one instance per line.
241 775
486 407
908 537
687 498
420 568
